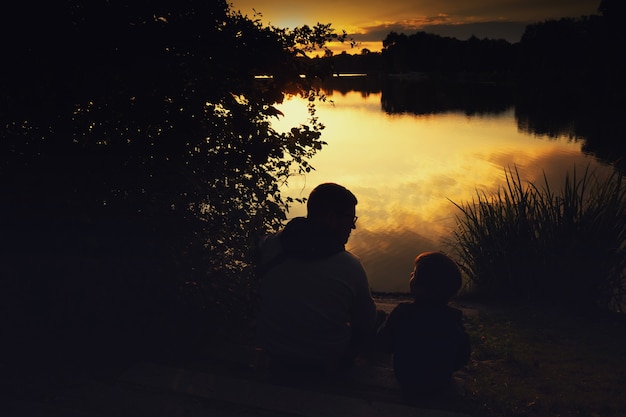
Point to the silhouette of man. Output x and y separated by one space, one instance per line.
316 309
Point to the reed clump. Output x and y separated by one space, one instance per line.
530 242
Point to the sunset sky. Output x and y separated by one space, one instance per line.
369 21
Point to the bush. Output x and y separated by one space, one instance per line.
530 243
139 165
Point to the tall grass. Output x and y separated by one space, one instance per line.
534 243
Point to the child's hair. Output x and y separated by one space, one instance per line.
436 275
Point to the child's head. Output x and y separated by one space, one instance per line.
435 276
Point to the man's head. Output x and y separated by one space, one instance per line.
333 206
435 276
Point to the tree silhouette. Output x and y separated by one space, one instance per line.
426 52
139 163
613 10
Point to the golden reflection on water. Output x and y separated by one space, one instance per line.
405 169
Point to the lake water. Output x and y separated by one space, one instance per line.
406 168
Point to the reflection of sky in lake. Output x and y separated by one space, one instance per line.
405 169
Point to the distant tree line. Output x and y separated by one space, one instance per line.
424 52
583 52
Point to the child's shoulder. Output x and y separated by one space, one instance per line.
454 312
404 309
405 306
427 308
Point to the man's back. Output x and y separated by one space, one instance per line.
314 299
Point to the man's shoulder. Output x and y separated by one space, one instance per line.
350 255
348 259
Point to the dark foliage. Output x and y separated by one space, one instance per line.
426 52
139 167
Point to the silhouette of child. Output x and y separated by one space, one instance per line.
426 337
